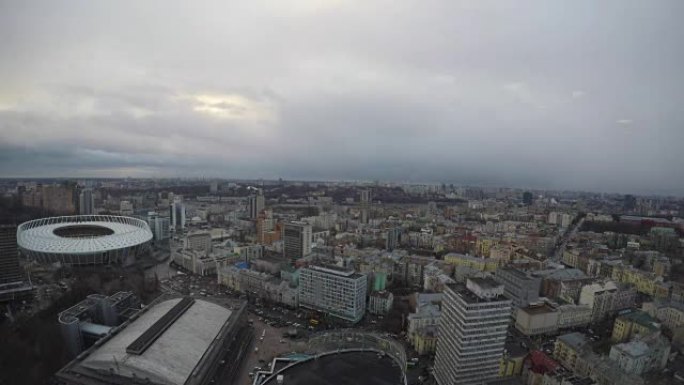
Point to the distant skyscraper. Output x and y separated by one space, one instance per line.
296 240
86 202
213 187
256 204
472 332
393 238
365 205
177 214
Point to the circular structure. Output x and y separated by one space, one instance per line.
343 356
84 239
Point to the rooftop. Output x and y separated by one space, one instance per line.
172 356
575 340
641 318
538 309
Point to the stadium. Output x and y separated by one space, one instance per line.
84 239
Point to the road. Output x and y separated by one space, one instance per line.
557 255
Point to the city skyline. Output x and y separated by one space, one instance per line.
525 94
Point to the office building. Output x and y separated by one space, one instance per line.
296 240
256 204
333 290
199 241
13 284
86 202
177 215
160 226
520 287
472 332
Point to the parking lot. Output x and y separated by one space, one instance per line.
269 342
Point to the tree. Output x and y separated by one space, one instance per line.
527 198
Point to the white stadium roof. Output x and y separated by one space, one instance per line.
39 235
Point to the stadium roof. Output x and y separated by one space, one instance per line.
40 235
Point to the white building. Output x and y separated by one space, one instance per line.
160 226
380 302
333 290
472 332
427 312
642 354
199 241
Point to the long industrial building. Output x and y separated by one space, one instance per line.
173 341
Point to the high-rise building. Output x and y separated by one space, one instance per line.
393 238
86 202
177 214
159 226
9 256
296 240
365 205
256 204
472 332
12 280
333 290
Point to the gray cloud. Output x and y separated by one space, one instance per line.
581 95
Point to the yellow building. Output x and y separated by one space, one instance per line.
644 281
483 246
481 264
631 323
568 348
425 340
511 363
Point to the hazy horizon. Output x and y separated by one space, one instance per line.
581 95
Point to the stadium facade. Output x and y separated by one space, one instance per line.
84 239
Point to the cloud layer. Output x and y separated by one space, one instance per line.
580 94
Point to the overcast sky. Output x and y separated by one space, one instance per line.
553 94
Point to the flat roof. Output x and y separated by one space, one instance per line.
172 357
538 309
